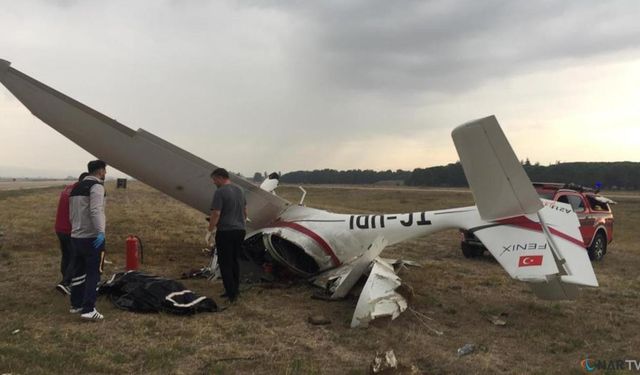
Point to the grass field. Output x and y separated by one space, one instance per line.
29 184
267 330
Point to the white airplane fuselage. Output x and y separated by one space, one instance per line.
332 239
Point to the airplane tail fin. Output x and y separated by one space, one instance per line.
499 184
535 241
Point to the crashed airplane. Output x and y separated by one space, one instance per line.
335 250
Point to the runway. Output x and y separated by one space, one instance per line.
30 184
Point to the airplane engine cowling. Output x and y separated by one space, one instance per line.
299 251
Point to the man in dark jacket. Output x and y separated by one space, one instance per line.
88 222
63 231
227 225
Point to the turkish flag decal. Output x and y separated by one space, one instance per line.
530 260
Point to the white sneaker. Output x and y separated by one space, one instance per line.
74 310
92 315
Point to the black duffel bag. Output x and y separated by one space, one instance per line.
138 292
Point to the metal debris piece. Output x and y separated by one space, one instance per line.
497 320
383 362
339 281
400 264
15 332
407 292
420 316
318 320
466 349
378 297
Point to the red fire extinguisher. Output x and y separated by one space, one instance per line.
134 253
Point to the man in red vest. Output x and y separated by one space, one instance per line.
63 230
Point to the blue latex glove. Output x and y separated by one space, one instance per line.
99 241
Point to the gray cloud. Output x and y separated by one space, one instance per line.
278 85
449 46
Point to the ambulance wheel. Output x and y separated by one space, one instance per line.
598 247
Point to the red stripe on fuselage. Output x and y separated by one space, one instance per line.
526 223
314 236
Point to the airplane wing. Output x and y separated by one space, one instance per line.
139 154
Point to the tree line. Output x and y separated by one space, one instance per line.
608 175
352 176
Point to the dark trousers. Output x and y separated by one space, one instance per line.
86 274
229 246
66 261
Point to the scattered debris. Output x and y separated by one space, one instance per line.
322 296
497 320
337 283
234 359
420 316
196 273
15 332
207 251
384 362
401 264
407 292
466 349
318 320
378 297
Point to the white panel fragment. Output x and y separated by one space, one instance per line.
270 184
378 297
340 280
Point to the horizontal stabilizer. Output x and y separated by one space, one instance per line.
563 233
544 250
500 185
524 253
554 290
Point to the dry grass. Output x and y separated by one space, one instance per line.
30 184
267 332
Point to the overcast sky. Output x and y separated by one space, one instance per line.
282 86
